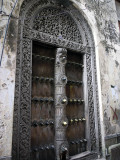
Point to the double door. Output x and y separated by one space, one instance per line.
44 116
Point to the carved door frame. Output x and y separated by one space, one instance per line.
22 107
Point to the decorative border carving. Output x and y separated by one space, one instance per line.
22 110
60 102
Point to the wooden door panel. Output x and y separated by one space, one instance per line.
75 108
43 70
71 73
46 90
75 57
74 91
72 111
42 106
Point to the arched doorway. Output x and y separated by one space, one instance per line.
55 115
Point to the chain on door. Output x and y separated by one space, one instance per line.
57 107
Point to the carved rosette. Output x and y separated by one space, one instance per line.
61 121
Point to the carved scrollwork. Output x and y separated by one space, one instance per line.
58 23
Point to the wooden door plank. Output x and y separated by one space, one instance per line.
42 109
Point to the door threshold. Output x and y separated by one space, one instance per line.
86 155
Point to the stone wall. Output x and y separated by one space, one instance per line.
101 16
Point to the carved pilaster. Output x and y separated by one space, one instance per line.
61 121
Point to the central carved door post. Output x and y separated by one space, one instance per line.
61 122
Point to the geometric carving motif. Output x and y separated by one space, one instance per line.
57 23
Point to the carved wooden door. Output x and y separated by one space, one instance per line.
42 109
57 107
75 108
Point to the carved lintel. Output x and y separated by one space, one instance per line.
48 38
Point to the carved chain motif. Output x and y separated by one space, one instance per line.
61 121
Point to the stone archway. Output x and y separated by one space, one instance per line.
35 19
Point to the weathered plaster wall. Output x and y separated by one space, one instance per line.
7 76
118 9
102 17
109 65
109 59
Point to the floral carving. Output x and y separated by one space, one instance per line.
58 23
